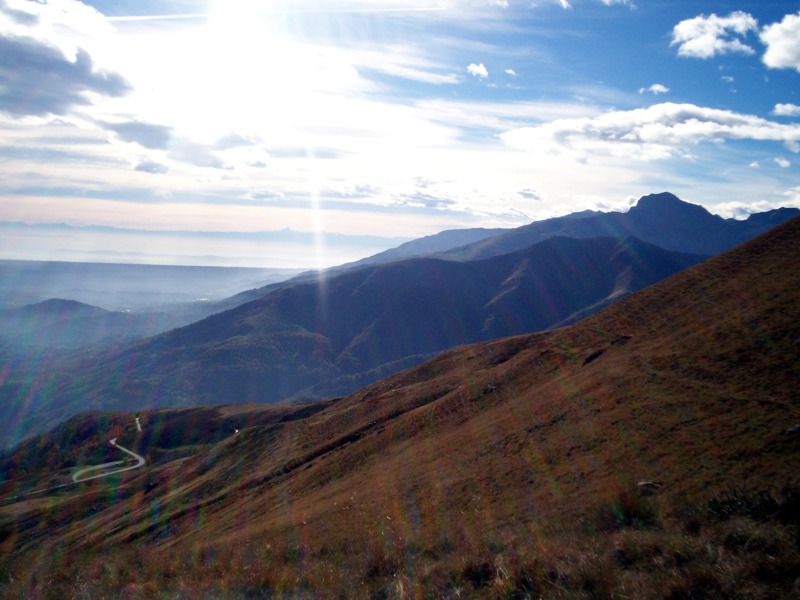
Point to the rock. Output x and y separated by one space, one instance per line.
647 488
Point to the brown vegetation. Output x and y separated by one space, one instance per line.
499 470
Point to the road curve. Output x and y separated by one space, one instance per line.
77 477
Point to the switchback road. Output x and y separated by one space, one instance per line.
79 476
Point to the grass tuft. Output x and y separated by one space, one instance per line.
626 509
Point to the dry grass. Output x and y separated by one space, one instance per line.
737 557
499 470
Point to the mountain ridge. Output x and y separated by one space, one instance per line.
327 338
643 222
661 219
496 468
375 299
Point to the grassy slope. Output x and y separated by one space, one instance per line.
503 469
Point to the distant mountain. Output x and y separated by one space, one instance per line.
55 305
431 244
120 287
328 338
660 219
649 451
58 308
66 324
424 246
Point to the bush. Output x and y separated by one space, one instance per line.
626 509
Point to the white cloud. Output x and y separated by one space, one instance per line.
728 79
708 36
478 71
49 60
658 132
742 210
786 110
782 163
783 43
421 75
511 72
655 89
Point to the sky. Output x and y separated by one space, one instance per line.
363 123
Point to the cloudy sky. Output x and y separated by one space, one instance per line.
380 118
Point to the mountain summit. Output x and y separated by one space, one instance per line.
661 219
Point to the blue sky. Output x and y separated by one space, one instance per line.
395 119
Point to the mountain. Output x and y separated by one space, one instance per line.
431 244
127 287
424 246
660 219
66 324
648 451
329 338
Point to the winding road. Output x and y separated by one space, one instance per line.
78 476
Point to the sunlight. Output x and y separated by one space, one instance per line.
247 73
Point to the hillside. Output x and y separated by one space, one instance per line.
330 337
424 246
66 324
661 219
501 469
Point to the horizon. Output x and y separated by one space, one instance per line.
284 249
339 118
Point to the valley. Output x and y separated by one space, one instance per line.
327 334
504 468
411 300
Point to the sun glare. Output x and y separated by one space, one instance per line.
240 70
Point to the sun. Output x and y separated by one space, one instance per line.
231 70
245 69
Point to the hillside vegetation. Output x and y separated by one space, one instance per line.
506 469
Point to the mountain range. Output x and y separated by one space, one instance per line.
649 450
328 338
660 219
328 333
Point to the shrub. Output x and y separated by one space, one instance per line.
626 509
